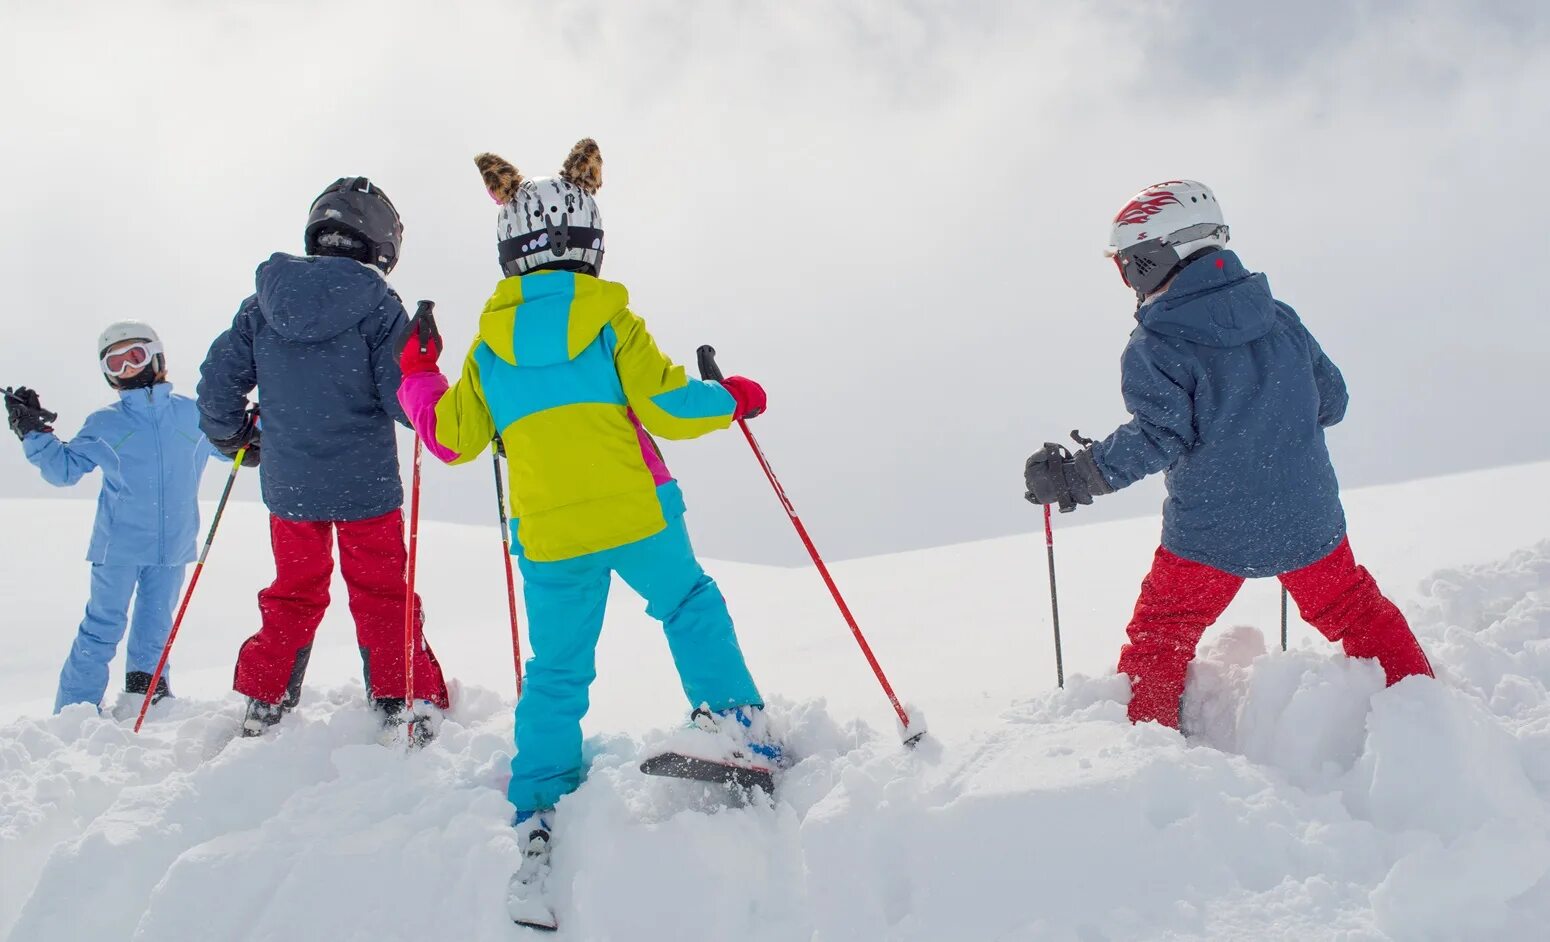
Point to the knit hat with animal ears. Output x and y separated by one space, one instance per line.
548 223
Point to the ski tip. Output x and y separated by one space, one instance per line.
537 924
915 740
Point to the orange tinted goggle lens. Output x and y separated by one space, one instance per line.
1119 263
132 358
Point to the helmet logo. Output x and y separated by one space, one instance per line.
1144 207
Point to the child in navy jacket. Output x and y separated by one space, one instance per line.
1230 395
317 341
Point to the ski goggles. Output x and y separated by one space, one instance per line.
131 358
555 242
1144 266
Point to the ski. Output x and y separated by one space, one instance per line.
528 911
678 765
525 901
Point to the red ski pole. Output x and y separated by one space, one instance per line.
166 649
511 585
414 545
709 370
424 326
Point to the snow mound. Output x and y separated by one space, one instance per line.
1306 802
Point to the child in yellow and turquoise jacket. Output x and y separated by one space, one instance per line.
575 387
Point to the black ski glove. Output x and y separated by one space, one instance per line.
25 414
246 436
1055 476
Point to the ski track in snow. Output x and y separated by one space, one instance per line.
1308 803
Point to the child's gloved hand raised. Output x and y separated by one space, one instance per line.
422 345
25 414
748 394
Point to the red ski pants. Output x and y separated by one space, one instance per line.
1180 599
372 558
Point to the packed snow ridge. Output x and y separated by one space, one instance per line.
1306 802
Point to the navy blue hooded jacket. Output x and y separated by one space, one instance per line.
317 341
1231 395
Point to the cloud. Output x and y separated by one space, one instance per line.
890 214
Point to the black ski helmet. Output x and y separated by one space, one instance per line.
355 206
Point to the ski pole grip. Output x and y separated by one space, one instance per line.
425 325
708 368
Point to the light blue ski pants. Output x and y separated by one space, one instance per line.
155 591
565 604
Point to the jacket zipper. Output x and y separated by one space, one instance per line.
161 480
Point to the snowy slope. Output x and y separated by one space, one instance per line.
1310 803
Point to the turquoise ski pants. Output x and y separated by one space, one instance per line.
565 604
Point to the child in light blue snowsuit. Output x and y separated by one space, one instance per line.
152 455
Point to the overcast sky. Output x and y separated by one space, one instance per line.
891 214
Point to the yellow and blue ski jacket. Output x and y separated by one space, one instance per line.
575 386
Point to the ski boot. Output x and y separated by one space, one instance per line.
138 682
729 747
424 720
260 716
748 730
526 896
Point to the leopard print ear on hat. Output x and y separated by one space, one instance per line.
584 167
501 179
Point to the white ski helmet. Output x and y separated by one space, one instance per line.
548 222
1160 228
120 331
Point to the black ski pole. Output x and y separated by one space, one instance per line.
1054 597
1283 618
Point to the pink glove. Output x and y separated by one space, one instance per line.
748 394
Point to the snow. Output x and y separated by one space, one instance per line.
1307 803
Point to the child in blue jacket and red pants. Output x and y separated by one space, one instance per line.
317 340
1230 395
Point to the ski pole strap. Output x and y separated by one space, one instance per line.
708 368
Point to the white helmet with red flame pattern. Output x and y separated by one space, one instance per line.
1162 227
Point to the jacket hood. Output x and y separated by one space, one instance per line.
310 299
1213 301
548 317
